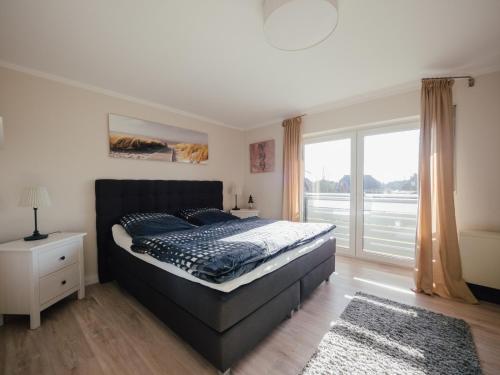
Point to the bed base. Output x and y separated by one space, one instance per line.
224 349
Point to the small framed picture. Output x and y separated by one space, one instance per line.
262 157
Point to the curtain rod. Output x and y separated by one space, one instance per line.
299 116
471 79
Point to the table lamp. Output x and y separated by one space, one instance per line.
236 190
35 197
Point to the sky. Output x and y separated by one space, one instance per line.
387 157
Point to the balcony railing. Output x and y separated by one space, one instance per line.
389 220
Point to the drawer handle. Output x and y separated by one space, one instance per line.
63 282
62 258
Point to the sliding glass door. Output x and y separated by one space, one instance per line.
329 186
365 182
387 194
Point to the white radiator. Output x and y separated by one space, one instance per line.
480 253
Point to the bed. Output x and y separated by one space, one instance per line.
221 324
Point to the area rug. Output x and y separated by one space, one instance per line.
379 336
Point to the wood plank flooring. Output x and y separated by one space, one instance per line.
109 332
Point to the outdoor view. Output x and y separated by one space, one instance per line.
389 205
327 185
390 193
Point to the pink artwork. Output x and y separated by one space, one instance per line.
262 157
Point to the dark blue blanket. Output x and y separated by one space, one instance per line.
224 251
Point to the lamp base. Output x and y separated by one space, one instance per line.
235 208
36 237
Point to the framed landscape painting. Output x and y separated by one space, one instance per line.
133 138
262 157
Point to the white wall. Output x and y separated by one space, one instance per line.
478 154
57 135
266 188
478 148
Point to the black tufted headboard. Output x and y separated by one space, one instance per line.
115 198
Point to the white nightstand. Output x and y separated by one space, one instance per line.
37 274
245 212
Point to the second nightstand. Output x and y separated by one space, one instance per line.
36 274
245 212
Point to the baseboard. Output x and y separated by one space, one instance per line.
91 279
485 293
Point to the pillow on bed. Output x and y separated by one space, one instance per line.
144 224
205 216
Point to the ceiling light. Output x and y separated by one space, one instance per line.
293 25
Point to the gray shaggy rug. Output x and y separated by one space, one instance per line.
378 336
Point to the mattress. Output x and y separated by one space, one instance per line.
124 240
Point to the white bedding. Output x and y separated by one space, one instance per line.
123 239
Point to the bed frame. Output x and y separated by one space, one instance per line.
221 326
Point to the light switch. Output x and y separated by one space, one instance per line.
1 132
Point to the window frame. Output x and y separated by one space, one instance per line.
360 251
356 135
351 135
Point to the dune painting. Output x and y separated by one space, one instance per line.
139 139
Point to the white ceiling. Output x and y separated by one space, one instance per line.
210 57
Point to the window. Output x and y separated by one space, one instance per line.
365 182
327 185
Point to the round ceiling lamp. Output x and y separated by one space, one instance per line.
294 25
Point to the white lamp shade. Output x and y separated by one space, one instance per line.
35 197
236 190
293 25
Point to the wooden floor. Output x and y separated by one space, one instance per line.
108 332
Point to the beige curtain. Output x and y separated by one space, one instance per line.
438 267
291 168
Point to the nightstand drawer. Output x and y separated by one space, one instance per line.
59 282
58 257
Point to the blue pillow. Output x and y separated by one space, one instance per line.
147 224
205 216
